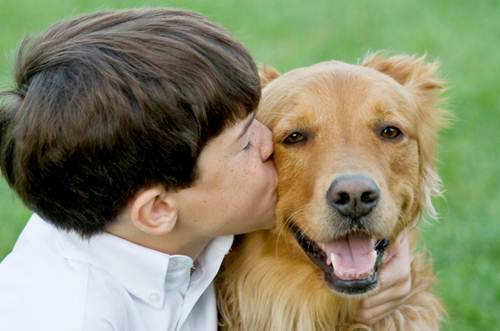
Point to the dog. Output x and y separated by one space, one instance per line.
354 149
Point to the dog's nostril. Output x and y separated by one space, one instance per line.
341 198
369 196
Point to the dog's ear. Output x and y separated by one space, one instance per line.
420 78
267 74
408 70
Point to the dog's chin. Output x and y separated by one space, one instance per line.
349 263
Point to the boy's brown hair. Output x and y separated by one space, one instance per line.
108 103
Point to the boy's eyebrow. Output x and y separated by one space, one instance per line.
247 125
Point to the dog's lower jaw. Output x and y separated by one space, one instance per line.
259 293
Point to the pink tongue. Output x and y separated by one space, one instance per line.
354 256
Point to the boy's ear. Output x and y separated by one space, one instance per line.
267 74
153 211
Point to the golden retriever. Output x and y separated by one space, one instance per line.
354 149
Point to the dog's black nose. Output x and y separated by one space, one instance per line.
353 196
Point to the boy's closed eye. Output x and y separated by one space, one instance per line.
246 134
248 145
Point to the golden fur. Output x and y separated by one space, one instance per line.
268 282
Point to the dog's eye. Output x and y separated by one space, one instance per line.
391 132
294 138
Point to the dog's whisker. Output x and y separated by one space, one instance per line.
283 230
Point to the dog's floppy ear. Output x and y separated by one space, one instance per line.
267 74
420 78
408 70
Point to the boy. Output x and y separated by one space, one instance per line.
131 135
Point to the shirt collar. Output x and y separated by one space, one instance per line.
144 272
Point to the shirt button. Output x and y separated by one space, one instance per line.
154 297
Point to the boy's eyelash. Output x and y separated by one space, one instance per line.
248 145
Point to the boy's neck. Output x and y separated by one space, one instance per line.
173 243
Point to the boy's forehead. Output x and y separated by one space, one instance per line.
230 137
236 130
244 125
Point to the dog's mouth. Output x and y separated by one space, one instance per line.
350 263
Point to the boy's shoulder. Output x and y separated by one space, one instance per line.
41 288
37 286
55 280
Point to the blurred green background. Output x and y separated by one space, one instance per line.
463 35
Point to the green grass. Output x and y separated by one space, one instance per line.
463 35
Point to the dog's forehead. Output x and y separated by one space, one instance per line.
312 92
335 74
330 78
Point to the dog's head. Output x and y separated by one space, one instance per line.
354 147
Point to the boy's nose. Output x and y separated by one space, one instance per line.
266 146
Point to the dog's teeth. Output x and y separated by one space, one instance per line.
332 258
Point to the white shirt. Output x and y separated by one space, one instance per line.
56 281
